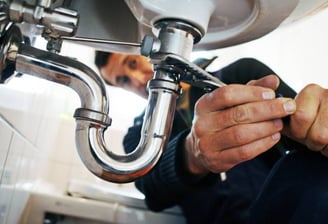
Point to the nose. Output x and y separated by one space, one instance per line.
138 83
140 77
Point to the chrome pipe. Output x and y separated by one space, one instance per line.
66 71
154 135
92 119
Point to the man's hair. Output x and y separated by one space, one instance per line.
101 58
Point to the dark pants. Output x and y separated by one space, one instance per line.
296 191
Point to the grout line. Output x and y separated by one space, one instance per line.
20 134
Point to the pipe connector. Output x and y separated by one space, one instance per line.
61 21
10 43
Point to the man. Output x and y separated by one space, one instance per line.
239 130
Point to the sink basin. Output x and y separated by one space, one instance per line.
223 22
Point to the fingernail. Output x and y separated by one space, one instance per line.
276 136
278 123
290 106
268 95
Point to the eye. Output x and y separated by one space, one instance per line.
133 63
123 80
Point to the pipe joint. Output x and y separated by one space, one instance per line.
93 116
164 84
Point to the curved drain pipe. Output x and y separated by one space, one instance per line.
92 118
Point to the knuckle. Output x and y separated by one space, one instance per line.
312 90
240 114
226 94
198 129
302 116
244 154
197 106
201 146
320 138
311 87
239 136
272 108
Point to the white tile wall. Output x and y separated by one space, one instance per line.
6 136
16 177
37 150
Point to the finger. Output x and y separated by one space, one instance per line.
317 136
247 113
233 156
244 134
232 95
308 102
269 81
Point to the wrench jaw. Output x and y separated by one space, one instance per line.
189 72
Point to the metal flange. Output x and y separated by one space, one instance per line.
9 44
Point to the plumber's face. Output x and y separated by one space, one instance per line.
131 72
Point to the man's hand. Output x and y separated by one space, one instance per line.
309 123
235 123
